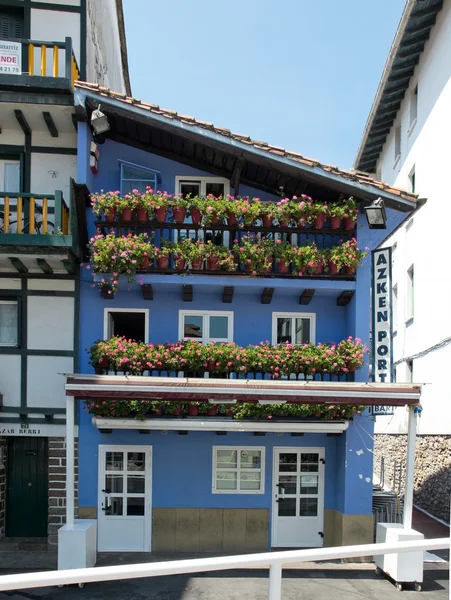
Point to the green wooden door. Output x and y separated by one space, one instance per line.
27 487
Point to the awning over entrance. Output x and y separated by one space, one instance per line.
241 390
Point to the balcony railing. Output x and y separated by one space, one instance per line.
228 235
33 214
49 59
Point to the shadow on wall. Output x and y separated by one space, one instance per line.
432 478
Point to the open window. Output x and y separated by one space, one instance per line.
129 323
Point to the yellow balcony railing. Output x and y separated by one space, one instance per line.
50 59
34 214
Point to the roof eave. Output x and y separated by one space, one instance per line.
385 74
367 193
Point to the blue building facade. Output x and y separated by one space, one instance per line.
153 486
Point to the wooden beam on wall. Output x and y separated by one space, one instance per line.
187 293
227 295
18 265
345 297
22 122
267 295
53 130
306 297
147 291
44 266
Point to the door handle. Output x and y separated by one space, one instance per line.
107 491
106 507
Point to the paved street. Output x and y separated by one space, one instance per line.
327 581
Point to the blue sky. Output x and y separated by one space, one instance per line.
300 74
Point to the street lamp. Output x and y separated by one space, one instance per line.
99 122
376 215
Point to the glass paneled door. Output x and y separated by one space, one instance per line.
298 497
125 499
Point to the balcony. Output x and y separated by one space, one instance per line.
47 67
33 225
228 236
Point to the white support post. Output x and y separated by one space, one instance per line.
410 468
275 581
70 462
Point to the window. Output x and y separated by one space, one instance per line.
395 307
9 323
130 323
10 175
212 326
295 328
238 470
412 180
397 142
409 371
11 23
134 177
410 291
202 186
413 108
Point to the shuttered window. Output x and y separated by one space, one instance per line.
11 24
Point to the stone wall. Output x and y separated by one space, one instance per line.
57 486
3 447
432 487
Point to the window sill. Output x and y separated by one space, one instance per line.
409 321
397 159
412 127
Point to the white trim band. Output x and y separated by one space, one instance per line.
198 424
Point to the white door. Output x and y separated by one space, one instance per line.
125 495
298 497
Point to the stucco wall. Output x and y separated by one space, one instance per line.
104 63
423 241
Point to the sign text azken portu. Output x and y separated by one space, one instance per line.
382 316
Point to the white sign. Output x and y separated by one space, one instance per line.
10 57
382 410
382 317
30 430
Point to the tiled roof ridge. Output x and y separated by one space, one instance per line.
353 175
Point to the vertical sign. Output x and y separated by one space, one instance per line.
10 57
382 316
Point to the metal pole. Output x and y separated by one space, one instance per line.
275 581
70 462
410 468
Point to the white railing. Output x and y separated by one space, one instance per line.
272 560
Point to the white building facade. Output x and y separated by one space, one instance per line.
44 48
406 143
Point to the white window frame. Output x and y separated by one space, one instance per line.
203 183
294 315
410 291
4 162
397 141
238 469
106 320
122 163
206 314
395 296
16 302
413 109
